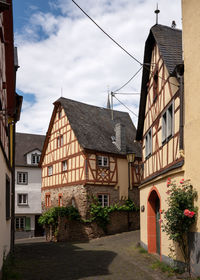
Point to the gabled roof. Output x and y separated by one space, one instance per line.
169 41
93 127
26 143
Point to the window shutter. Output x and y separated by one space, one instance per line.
28 223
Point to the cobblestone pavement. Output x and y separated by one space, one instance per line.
112 257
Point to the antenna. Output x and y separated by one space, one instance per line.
112 95
157 11
61 92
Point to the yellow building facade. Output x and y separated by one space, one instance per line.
191 55
159 130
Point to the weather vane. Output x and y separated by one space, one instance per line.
157 11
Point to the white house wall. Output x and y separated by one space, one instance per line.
33 189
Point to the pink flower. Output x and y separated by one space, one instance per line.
186 212
168 192
181 181
160 221
189 213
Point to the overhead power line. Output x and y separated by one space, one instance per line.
125 106
108 34
128 53
128 81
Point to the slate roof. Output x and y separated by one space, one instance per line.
26 143
93 126
169 41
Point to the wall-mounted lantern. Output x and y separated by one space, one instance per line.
130 158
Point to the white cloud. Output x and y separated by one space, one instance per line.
77 57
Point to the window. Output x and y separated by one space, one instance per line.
47 200
35 158
20 223
103 199
167 124
23 199
60 141
50 170
60 200
155 86
64 165
22 178
59 113
8 216
148 143
102 161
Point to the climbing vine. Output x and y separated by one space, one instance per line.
51 216
101 214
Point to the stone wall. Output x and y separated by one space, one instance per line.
120 221
79 196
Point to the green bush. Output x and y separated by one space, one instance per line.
51 216
180 215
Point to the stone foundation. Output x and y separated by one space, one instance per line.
120 221
80 196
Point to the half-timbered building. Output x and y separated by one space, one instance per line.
85 155
160 130
10 104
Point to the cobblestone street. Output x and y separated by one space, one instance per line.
111 257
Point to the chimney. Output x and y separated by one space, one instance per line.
120 135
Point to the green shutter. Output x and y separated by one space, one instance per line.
28 223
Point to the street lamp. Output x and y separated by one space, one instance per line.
130 158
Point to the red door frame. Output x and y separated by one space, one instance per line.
151 220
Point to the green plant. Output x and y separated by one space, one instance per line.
51 217
180 215
163 267
101 214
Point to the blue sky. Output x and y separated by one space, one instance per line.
60 50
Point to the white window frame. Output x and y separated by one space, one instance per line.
22 199
148 143
50 170
21 222
103 199
35 158
168 123
22 178
102 161
64 165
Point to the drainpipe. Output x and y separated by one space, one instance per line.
12 160
181 143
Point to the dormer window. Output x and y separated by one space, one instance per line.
102 161
35 158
